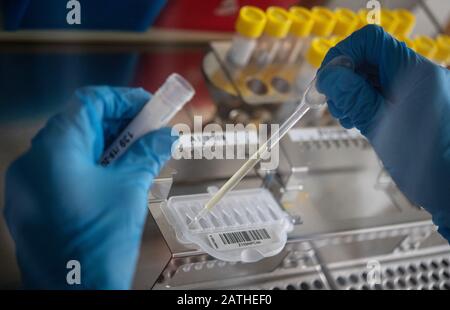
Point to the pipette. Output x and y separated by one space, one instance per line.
311 99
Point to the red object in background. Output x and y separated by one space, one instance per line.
209 15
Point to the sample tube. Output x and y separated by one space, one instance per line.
313 59
298 38
277 27
324 21
164 104
249 27
346 22
425 46
406 23
389 21
443 50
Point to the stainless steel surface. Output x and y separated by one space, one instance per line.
417 272
347 211
333 185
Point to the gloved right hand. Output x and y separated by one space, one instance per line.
401 102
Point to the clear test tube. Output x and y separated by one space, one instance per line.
346 22
443 50
324 21
425 46
164 104
277 28
297 40
406 23
249 27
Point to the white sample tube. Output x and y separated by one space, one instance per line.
156 113
241 50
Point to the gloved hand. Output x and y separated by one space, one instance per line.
62 205
401 102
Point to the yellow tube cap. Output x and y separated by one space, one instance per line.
278 22
302 21
335 40
443 48
425 46
251 21
406 22
324 21
346 22
389 21
318 50
409 43
362 15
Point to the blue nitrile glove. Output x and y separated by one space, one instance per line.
62 205
401 102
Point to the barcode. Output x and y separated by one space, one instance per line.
244 236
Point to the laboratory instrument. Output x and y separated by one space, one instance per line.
311 99
330 247
164 104
247 226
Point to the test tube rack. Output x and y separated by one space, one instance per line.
255 86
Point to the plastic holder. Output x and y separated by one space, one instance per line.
246 226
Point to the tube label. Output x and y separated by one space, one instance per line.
119 146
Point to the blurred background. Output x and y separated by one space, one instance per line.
133 43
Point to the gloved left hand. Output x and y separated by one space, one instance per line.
62 205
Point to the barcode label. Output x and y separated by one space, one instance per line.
240 239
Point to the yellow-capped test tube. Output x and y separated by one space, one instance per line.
346 22
277 27
249 27
313 59
406 22
324 21
335 40
443 50
297 40
425 46
362 18
389 21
